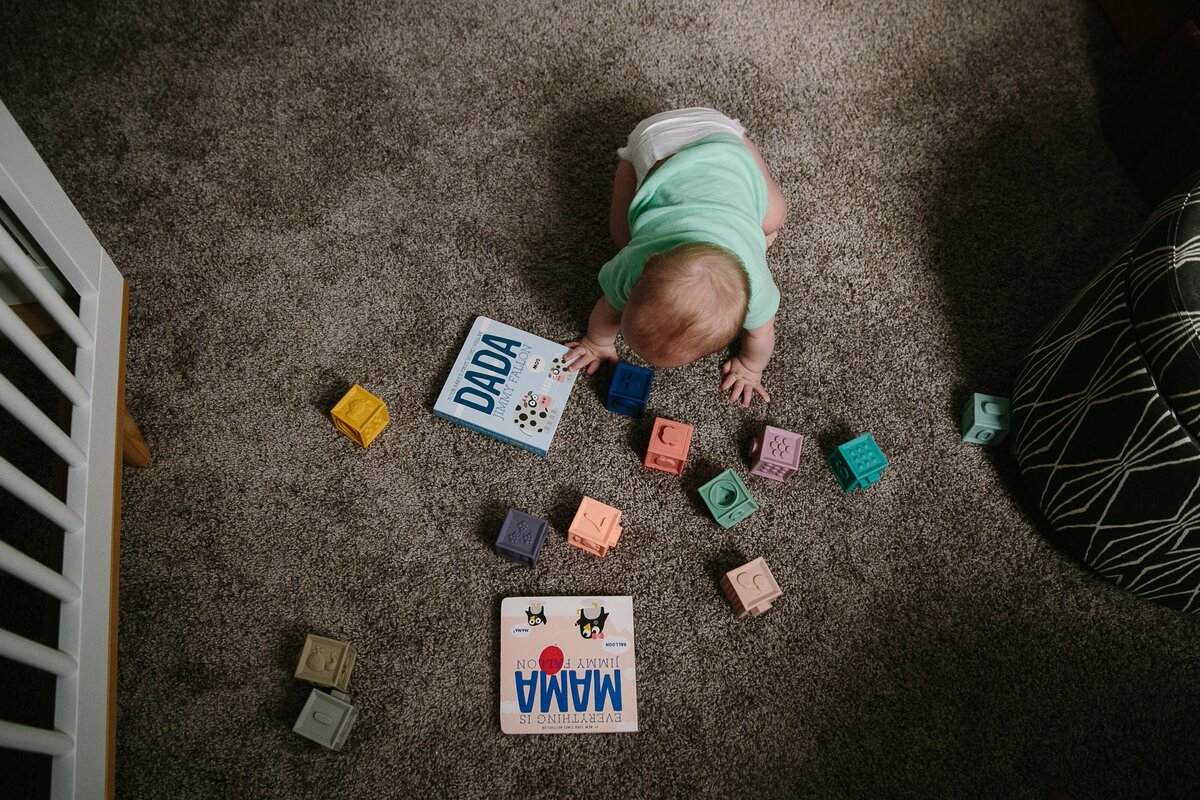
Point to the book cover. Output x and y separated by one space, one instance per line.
508 384
567 665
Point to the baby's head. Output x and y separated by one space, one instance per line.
690 301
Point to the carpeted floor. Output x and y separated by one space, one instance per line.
303 196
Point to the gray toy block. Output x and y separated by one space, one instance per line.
327 718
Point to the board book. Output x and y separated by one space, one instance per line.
567 665
508 384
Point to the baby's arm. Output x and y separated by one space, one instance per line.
743 373
599 346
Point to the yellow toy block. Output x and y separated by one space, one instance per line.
360 415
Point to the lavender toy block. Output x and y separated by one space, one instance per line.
775 454
986 419
327 719
858 463
521 538
629 390
728 499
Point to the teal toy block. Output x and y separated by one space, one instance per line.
728 499
986 419
858 463
629 390
327 718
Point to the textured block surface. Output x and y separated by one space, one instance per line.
521 537
629 390
775 454
751 588
986 419
360 415
669 445
326 719
858 463
595 528
728 499
326 662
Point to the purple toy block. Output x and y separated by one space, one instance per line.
521 537
775 454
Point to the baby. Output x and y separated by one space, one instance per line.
693 213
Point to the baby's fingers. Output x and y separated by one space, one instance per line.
758 387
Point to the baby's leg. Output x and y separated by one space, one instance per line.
776 206
624 188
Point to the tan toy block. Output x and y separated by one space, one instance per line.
360 415
750 588
326 662
596 527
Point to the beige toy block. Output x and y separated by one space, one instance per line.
326 662
750 588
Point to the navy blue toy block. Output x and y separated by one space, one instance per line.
858 463
521 538
630 389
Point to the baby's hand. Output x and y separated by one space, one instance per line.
586 353
743 382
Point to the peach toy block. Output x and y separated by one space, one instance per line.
775 454
750 588
596 527
326 662
669 444
360 415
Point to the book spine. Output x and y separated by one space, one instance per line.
497 436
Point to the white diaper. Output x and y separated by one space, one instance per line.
665 134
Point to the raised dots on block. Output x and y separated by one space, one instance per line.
986 419
360 415
629 391
326 719
858 463
326 662
728 499
751 588
595 528
775 454
669 445
521 537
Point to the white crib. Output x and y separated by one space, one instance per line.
42 225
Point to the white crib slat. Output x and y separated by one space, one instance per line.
20 335
32 418
36 574
35 655
34 740
37 498
29 274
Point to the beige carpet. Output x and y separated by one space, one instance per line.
304 196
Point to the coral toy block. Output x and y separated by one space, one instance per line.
858 463
360 415
669 444
326 719
986 419
596 527
728 499
775 454
629 390
326 662
750 588
521 538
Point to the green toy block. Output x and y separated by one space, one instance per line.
986 419
858 463
728 499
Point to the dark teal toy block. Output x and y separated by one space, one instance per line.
858 463
629 390
728 499
986 419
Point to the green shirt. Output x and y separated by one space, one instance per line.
711 191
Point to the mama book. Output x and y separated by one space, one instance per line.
508 384
567 665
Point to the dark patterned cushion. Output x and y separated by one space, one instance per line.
1099 443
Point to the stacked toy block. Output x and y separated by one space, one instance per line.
521 537
669 445
751 588
986 419
596 527
858 463
629 391
327 717
775 454
728 499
